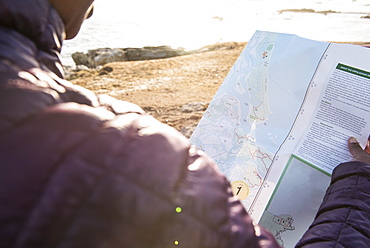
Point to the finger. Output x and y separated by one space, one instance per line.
367 147
355 148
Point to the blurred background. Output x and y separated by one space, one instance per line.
192 24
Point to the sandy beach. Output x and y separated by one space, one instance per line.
165 87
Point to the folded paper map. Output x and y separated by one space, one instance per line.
279 124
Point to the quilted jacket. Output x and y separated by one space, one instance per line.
79 170
343 219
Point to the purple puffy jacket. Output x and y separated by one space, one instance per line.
78 170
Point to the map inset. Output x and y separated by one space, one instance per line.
290 212
277 224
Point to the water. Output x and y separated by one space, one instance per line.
195 23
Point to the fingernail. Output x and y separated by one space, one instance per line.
353 140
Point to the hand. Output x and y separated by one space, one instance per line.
359 154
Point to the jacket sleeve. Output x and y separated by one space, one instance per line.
161 192
100 179
343 219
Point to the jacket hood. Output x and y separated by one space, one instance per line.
36 19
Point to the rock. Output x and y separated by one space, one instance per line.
194 106
102 56
105 70
80 59
101 73
147 53
106 55
98 57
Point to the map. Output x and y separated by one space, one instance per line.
279 124
251 114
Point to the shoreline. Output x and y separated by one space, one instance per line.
182 51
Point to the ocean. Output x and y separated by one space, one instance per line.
192 24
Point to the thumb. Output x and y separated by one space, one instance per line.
357 152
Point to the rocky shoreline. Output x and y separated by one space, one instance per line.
98 57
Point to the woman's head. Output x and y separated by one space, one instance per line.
73 13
